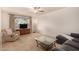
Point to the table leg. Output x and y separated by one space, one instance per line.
55 44
37 43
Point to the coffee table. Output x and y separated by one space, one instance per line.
46 42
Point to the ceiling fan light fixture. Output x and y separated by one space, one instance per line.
38 10
35 11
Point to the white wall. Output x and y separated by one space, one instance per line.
62 21
0 31
7 11
0 20
34 24
5 20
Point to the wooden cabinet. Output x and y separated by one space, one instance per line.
24 31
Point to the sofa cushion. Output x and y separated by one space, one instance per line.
69 48
65 47
57 49
9 31
72 44
76 35
67 36
76 40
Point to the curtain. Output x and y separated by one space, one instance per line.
12 22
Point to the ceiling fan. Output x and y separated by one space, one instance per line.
38 10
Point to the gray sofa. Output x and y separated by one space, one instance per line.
69 45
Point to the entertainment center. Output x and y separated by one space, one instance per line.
20 23
24 29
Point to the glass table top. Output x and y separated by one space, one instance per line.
45 39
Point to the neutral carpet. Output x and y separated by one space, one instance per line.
25 43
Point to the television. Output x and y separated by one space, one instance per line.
23 25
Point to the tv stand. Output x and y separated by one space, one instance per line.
24 31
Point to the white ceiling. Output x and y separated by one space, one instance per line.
29 11
50 9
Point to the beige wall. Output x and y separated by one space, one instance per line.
62 21
7 11
34 24
0 20
5 20
0 31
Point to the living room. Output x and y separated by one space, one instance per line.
44 23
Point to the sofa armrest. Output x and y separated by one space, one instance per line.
61 39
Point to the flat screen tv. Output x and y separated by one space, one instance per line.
23 25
